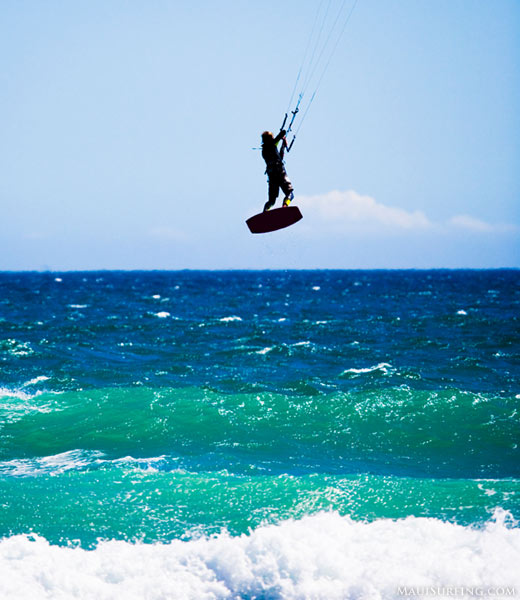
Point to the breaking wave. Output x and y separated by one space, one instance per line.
324 556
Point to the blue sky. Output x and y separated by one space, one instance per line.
127 130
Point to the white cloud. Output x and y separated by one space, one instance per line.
348 209
476 225
345 211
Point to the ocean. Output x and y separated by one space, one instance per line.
259 434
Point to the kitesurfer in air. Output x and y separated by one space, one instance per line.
275 169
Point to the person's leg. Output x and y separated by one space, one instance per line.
274 187
287 189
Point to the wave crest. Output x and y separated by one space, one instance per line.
324 556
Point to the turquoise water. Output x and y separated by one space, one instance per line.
193 413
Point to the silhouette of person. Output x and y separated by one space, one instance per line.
275 169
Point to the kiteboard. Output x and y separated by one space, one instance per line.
272 220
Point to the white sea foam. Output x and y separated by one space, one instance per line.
72 460
16 348
323 557
78 460
14 404
231 318
36 380
383 367
77 305
152 464
304 343
265 350
7 394
487 491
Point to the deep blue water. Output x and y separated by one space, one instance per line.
437 329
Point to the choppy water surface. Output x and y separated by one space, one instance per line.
210 423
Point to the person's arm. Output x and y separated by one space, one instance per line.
284 146
281 136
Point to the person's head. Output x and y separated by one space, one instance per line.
267 136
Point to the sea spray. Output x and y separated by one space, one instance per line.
324 556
